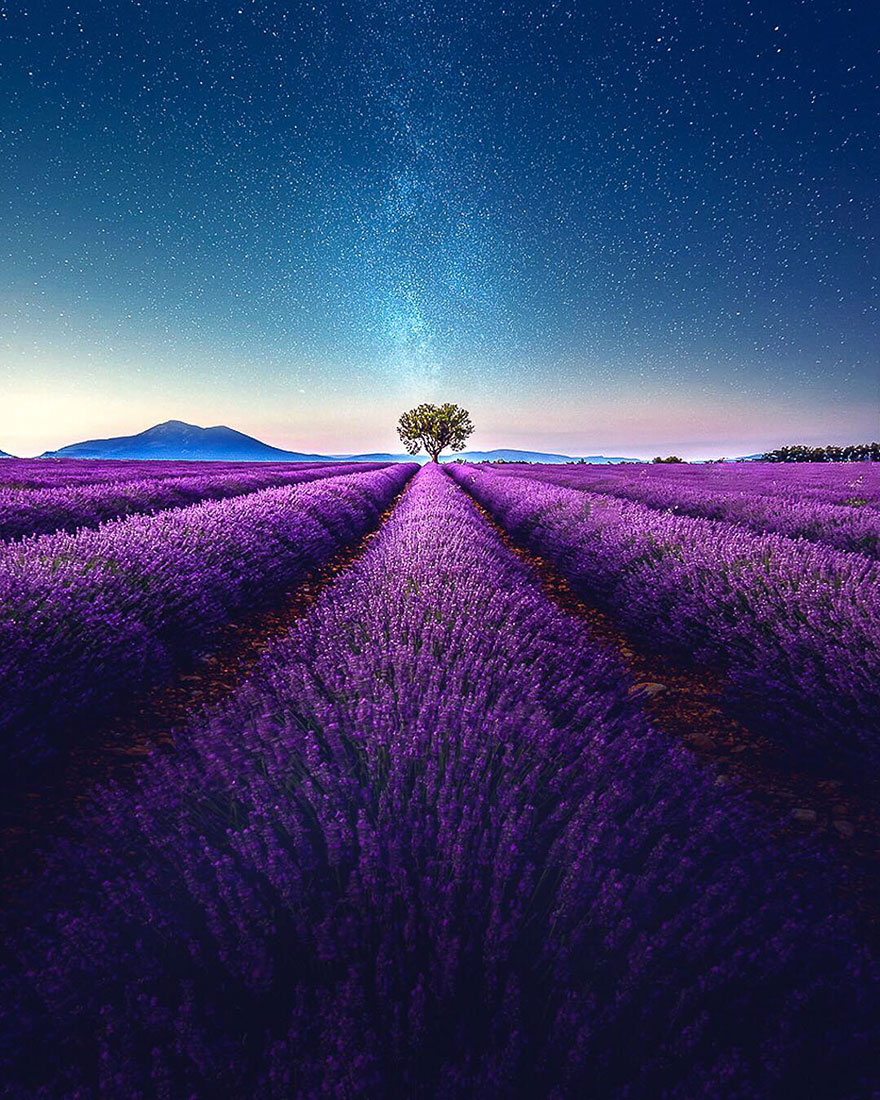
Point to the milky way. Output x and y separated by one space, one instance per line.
612 215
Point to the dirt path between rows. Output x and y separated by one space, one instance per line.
114 748
827 807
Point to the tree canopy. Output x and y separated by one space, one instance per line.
433 428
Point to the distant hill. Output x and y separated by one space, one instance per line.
502 455
531 456
377 457
178 441
5 454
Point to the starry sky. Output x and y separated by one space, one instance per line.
622 227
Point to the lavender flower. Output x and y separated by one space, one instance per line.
828 504
87 618
796 625
434 848
69 507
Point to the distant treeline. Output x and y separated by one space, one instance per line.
857 452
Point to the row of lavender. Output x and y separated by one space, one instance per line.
58 473
854 484
790 509
796 625
827 482
66 508
435 849
86 618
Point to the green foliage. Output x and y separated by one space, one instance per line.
671 458
433 428
855 452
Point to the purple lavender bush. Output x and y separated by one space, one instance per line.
856 484
61 473
853 525
39 512
434 848
87 618
797 626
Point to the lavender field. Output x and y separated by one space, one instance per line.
454 781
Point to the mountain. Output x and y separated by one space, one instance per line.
377 457
179 441
6 454
503 455
532 456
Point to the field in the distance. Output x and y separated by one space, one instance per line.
461 781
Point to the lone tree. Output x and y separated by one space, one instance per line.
434 427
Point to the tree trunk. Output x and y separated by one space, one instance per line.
434 458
